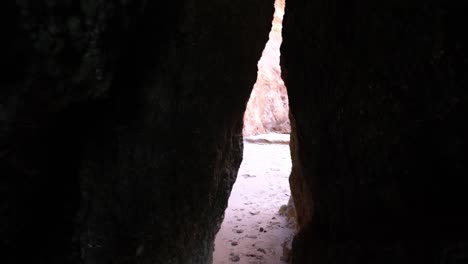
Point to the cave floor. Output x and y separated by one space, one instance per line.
255 227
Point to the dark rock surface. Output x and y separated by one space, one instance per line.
120 127
120 133
378 98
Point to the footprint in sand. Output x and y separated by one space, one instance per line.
234 257
255 199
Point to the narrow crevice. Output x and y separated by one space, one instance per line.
260 221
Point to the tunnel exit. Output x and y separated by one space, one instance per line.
259 222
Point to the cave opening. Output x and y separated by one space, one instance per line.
121 132
259 221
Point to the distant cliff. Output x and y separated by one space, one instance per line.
267 110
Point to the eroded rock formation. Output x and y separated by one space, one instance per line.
267 110
121 121
378 93
121 126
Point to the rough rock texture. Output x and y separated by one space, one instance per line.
120 126
267 110
378 95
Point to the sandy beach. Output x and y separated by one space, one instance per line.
255 227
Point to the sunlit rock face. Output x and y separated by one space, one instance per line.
267 110
378 92
121 124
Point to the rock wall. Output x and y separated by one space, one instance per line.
378 96
120 133
121 121
267 110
